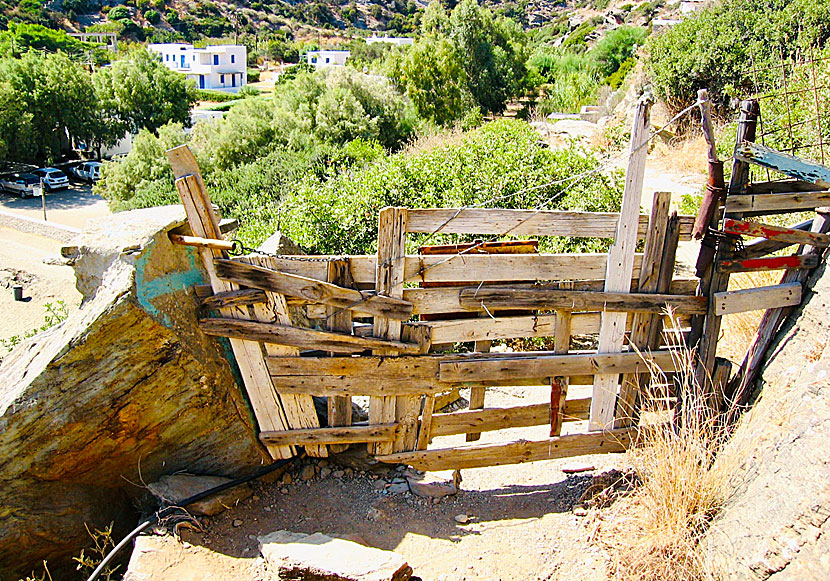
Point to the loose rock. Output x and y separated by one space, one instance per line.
462 519
172 489
434 484
307 473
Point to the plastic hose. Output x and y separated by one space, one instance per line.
166 511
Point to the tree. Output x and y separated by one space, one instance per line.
139 92
46 101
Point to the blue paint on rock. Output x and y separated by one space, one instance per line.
148 291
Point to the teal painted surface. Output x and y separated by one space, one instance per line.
148 291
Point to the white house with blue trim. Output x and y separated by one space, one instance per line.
222 67
327 58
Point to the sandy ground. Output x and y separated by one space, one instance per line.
22 258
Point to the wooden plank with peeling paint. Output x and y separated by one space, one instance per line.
780 233
770 263
787 164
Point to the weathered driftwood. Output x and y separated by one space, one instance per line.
334 435
233 298
755 299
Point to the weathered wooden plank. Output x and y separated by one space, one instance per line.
330 386
507 247
499 221
298 337
427 301
789 235
781 187
760 204
339 407
641 333
234 298
478 393
787 164
199 242
544 297
336 435
552 365
425 429
620 268
376 366
762 247
559 383
516 452
389 279
312 290
768 263
489 419
204 223
755 299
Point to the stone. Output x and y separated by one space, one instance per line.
320 557
338 473
237 522
462 519
284 491
379 484
308 472
325 472
580 511
127 389
397 488
286 478
172 489
434 484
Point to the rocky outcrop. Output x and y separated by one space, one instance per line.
777 523
124 391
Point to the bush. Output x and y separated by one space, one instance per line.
152 16
616 47
501 160
118 13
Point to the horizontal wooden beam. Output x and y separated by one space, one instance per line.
329 386
547 298
312 290
802 261
515 452
336 435
781 187
755 299
789 165
501 221
789 235
761 204
299 337
762 247
488 419
507 247
234 298
199 242
484 368
428 301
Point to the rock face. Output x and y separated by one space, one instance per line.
124 391
319 557
777 523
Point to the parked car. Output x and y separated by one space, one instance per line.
22 184
53 178
88 171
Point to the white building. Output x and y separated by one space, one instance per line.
327 58
222 67
396 40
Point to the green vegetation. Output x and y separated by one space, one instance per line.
718 48
55 313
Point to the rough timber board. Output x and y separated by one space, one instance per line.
789 235
203 223
514 452
787 164
760 204
620 268
754 299
333 435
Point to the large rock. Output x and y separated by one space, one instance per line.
319 557
776 523
125 390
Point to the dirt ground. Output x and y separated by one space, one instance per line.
521 521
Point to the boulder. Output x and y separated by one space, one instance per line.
319 557
776 522
125 390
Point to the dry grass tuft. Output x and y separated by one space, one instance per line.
654 533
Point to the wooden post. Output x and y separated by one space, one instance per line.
478 392
641 329
389 277
203 223
559 383
705 331
620 267
339 406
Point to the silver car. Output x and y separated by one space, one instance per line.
53 178
22 184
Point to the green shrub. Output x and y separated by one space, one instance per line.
215 96
616 79
152 16
118 13
616 47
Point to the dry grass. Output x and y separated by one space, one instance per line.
654 533
428 141
738 330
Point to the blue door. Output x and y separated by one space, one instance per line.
182 61
233 80
201 81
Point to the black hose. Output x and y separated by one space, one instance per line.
167 510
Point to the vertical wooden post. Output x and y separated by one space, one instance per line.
648 283
620 269
339 406
705 332
559 383
478 392
203 222
389 278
